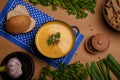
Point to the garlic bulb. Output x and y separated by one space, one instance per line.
14 68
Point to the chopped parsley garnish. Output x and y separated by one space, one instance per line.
53 39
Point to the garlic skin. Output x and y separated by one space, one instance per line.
14 68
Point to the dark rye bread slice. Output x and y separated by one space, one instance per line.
18 24
21 10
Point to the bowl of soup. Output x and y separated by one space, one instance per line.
55 39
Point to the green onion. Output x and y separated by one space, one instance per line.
114 61
90 71
108 73
113 65
105 71
95 71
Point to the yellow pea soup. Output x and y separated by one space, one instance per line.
65 44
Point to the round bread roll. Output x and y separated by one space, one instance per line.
22 10
18 24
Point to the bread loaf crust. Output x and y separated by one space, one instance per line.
18 24
19 10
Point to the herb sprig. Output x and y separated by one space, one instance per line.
74 71
53 39
73 7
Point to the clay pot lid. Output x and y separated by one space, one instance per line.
89 47
100 42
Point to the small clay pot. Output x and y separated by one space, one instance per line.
97 43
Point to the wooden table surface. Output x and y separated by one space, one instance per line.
91 25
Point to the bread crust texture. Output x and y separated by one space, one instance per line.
18 24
